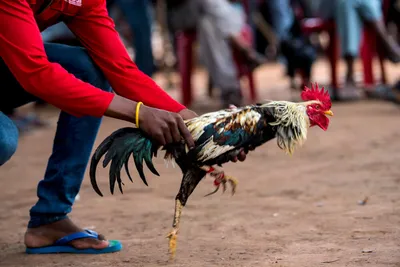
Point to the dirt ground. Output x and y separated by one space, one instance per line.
299 211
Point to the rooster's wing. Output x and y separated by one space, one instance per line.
220 132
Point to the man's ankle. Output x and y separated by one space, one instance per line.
37 221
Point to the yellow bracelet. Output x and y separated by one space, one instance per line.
137 113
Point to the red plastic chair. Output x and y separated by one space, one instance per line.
185 41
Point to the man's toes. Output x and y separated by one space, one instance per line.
89 243
101 244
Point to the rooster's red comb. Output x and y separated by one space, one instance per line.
316 94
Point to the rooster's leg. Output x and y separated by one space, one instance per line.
191 179
175 227
221 179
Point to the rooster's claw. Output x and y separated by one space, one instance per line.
222 180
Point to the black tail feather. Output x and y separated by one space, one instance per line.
127 169
118 148
100 151
139 168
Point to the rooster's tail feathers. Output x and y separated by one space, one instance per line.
118 147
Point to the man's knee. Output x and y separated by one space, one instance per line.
77 61
8 138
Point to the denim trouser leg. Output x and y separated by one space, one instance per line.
282 17
8 138
58 31
350 16
73 143
137 14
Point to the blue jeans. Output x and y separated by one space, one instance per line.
73 141
350 16
137 14
8 138
282 17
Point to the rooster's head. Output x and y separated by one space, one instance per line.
319 106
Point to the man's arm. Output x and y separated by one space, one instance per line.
21 48
95 29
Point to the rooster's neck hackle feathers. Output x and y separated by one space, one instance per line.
292 123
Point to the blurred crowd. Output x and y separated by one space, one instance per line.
254 31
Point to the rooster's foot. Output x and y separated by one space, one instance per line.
223 179
172 236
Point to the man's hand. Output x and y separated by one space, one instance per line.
163 126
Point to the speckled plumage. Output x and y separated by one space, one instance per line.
218 136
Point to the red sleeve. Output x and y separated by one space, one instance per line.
96 31
22 49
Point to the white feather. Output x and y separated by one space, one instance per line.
212 150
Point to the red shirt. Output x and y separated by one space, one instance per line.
22 49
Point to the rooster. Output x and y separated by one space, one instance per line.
218 137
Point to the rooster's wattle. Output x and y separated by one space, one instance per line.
218 137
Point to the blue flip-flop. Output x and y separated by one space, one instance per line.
62 246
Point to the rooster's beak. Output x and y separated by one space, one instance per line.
328 113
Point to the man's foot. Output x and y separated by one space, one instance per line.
47 235
349 92
386 93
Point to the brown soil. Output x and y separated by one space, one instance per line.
299 211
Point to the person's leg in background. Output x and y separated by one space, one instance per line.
72 146
137 14
351 15
8 138
371 13
288 57
349 25
217 56
281 16
298 55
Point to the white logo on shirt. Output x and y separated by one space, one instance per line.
74 2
